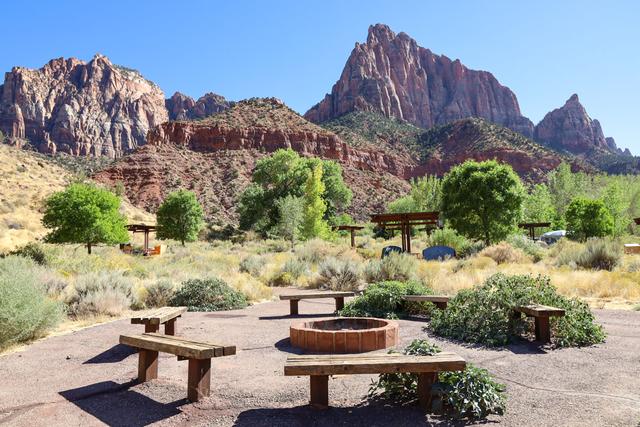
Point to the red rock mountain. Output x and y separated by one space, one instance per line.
183 107
90 108
570 128
391 75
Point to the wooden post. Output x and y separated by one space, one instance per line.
339 303
151 327
543 331
146 241
408 230
353 238
425 381
199 380
170 327
293 304
147 365
319 391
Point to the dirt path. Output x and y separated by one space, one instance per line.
84 378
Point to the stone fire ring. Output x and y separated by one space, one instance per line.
344 335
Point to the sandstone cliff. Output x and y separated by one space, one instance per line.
90 109
183 107
392 75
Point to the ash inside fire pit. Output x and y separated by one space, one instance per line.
344 335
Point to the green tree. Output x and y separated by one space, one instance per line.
613 199
588 218
564 185
84 213
291 214
313 223
538 205
482 200
180 217
403 204
282 174
427 193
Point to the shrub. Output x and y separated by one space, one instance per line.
504 253
295 267
527 246
484 314
340 275
34 251
282 278
208 295
471 393
385 300
399 267
253 264
600 254
314 251
26 312
103 293
449 237
159 294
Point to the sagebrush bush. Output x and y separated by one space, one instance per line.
34 251
398 267
566 253
208 295
159 293
484 314
282 278
295 268
504 253
527 246
449 237
339 275
385 300
104 293
26 312
253 264
314 251
600 254
471 393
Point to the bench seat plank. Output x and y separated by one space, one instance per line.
177 346
427 298
537 310
318 295
371 364
159 316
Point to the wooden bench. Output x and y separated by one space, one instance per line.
439 301
541 313
166 316
319 367
294 299
198 354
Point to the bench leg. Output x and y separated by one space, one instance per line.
543 330
339 303
293 304
148 327
441 305
319 391
170 327
425 381
199 381
147 365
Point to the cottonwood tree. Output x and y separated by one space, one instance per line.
180 217
86 214
291 215
588 218
314 206
482 200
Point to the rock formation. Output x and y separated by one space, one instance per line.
392 75
183 107
90 108
570 128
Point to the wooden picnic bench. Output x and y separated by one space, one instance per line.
294 299
166 316
319 367
198 354
541 313
439 301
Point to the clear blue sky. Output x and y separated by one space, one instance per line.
543 50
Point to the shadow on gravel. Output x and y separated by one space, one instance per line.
364 415
285 345
297 316
115 354
115 405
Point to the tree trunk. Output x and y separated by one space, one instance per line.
89 248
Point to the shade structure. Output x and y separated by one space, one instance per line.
352 229
531 226
143 228
405 222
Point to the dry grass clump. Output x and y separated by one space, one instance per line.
503 253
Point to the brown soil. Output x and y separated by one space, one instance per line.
84 378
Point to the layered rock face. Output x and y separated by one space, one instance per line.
90 108
570 128
392 75
183 107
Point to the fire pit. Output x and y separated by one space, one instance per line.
344 335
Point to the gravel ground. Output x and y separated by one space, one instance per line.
86 378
